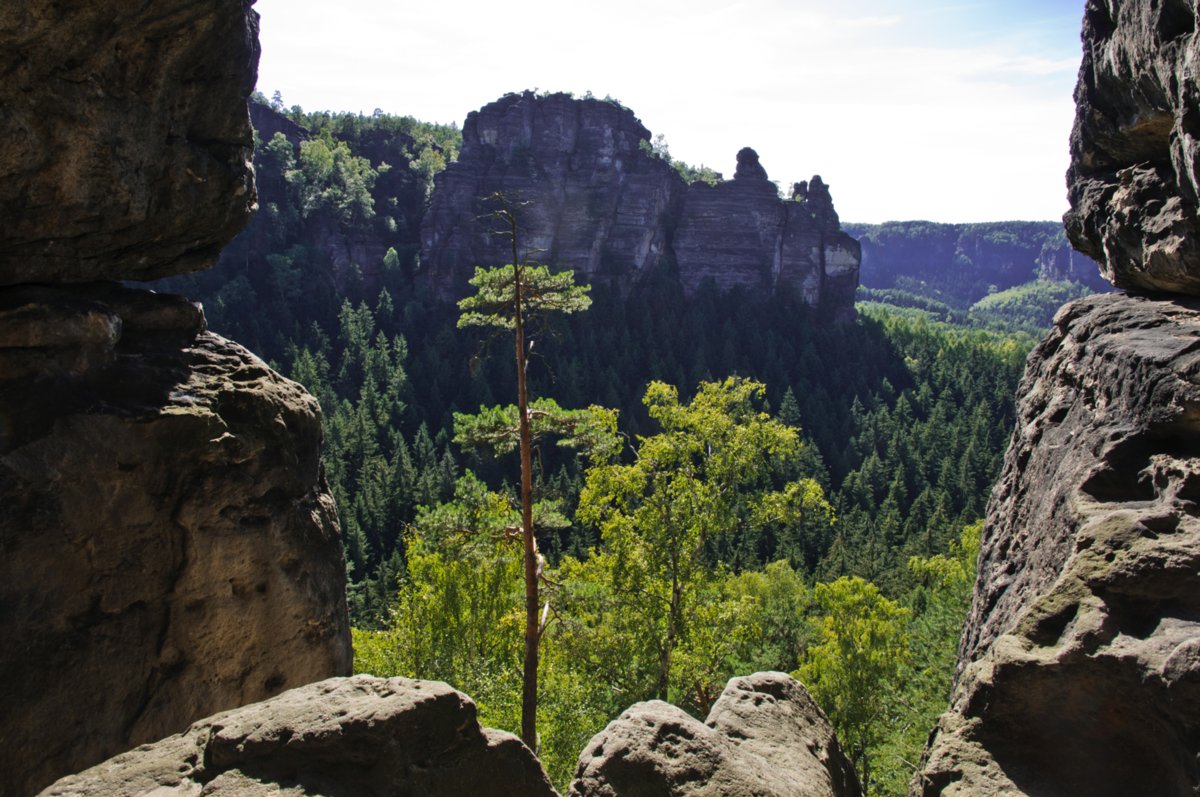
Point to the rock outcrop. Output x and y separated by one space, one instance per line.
1134 182
168 547
1079 666
600 201
353 737
125 144
1080 661
763 737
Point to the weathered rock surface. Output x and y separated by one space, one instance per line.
764 737
351 737
601 203
1134 180
124 139
1080 661
168 547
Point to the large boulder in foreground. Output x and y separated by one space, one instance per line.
125 144
351 737
168 546
765 737
1134 180
1080 661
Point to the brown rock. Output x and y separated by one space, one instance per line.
600 202
169 548
1080 661
1134 179
124 138
353 737
764 737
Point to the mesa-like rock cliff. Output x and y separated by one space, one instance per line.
1079 666
169 547
600 201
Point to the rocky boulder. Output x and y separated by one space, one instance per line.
1134 181
353 737
125 145
763 737
1080 661
170 548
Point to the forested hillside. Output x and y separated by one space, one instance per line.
1009 276
899 424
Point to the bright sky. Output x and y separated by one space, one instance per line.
921 109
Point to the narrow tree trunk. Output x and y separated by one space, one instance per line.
532 632
664 662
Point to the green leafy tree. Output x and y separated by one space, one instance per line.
508 298
862 643
707 474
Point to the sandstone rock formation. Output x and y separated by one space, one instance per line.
1134 181
352 737
124 142
1080 662
601 202
764 737
1079 666
169 548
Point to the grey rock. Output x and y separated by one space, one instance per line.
1079 664
170 548
764 737
599 202
1134 178
124 141
351 737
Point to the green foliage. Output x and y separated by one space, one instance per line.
705 475
862 644
494 302
1026 308
592 431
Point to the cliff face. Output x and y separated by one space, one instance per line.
1134 182
1079 666
963 261
599 202
169 546
130 158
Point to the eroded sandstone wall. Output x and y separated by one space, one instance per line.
1079 666
168 547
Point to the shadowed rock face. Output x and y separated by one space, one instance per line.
351 737
1134 180
169 546
600 203
764 737
125 143
1080 661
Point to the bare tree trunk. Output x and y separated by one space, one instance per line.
529 673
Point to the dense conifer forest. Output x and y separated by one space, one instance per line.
844 467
